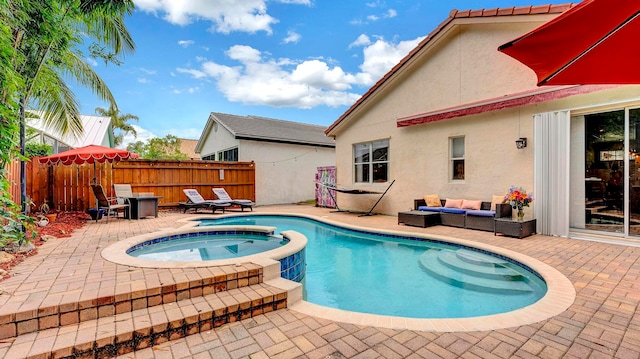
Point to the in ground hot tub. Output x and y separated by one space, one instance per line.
208 246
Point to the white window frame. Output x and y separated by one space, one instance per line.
371 163
456 158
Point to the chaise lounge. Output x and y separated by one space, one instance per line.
196 201
222 195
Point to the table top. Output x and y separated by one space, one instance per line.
503 219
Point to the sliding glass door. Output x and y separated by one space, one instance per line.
605 147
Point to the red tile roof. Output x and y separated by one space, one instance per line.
454 14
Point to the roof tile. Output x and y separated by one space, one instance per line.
269 129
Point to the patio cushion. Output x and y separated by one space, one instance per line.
453 203
454 210
432 200
469 204
481 213
429 209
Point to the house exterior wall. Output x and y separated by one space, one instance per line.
219 139
285 172
461 66
456 69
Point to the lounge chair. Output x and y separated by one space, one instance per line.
196 201
111 205
224 196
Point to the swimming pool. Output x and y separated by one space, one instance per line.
399 275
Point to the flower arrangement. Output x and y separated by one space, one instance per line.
518 198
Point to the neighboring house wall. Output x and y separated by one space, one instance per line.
286 154
285 173
219 139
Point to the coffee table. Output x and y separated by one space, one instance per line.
511 228
419 218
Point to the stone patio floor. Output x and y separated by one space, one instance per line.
603 322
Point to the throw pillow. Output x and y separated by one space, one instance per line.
467 204
496 200
432 200
453 203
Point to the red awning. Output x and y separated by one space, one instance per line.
499 103
594 42
88 154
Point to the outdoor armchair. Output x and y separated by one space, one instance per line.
111 205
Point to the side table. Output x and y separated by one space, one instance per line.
511 228
419 218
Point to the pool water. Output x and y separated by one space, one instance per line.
208 247
370 273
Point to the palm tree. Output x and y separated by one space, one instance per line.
119 122
47 38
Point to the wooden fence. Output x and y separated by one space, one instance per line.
67 187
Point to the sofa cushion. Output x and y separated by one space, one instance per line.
432 200
468 204
429 209
454 210
481 213
453 203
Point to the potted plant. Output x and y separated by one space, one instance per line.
44 209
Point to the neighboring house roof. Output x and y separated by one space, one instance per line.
453 15
188 147
96 130
267 129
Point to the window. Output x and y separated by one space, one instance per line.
371 161
457 158
228 155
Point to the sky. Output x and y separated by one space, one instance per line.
297 60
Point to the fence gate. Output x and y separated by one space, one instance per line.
325 175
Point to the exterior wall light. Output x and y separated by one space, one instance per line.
521 143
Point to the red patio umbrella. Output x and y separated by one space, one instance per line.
594 42
88 154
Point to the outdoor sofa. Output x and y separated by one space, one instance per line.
479 219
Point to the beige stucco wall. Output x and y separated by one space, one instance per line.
285 173
462 66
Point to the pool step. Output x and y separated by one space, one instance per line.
27 319
142 328
477 279
478 264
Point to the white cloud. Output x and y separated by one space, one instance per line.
261 80
391 13
147 71
142 80
376 3
186 43
226 16
91 61
195 73
361 41
188 133
143 135
292 36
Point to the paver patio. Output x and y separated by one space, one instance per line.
68 275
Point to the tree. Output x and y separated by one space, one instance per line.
48 37
167 148
119 122
40 48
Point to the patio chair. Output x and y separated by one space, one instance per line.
223 195
196 201
123 190
111 205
